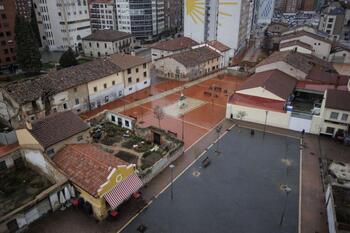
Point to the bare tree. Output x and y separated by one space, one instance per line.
158 114
241 114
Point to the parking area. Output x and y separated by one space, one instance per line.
251 186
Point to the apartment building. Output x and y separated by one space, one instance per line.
79 88
7 35
62 24
265 9
189 65
144 19
103 43
228 22
103 14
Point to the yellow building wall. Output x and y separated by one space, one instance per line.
26 140
117 175
136 75
117 77
98 204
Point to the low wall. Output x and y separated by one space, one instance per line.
150 173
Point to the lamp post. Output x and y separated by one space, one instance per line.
218 130
287 190
172 166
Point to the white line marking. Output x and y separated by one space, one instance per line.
181 173
300 182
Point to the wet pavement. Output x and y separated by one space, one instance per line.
240 191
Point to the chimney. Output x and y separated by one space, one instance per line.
29 125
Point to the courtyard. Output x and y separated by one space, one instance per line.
245 188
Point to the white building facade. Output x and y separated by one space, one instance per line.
103 15
228 22
144 18
62 23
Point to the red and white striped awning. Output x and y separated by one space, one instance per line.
123 190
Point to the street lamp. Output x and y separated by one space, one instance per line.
172 166
218 130
287 190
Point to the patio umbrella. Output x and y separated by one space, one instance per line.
67 193
72 191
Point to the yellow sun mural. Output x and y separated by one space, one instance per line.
196 9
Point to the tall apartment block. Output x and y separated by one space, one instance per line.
228 22
332 20
103 14
24 8
173 15
7 35
144 19
265 9
62 23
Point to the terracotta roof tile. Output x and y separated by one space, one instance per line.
28 90
274 81
305 33
57 127
176 44
86 165
6 149
292 58
107 35
338 100
218 45
296 42
126 61
196 56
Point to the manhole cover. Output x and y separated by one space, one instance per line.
196 173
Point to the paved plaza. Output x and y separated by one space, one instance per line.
240 191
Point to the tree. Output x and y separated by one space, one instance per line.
27 49
158 114
68 59
241 114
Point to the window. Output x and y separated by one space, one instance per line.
137 80
98 45
330 130
79 138
137 70
113 118
75 89
334 115
3 165
90 44
105 45
105 85
145 82
113 83
51 151
344 117
129 80
76 101
129 71
145 66
145 74
95 89
65 106
127 123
